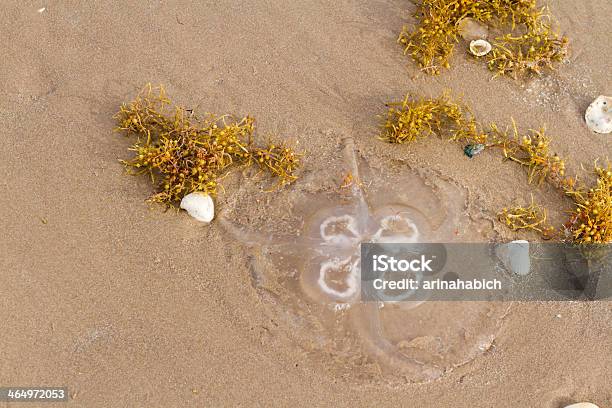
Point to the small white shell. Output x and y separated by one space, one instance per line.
582 405
599 115
480 47
199 205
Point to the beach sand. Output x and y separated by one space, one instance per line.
128 305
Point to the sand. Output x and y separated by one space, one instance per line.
131 306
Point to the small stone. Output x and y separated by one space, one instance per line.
472 150
582 405
199 205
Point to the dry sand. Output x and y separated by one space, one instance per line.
129 306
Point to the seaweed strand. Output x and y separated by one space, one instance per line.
183 153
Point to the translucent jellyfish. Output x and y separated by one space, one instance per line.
307 270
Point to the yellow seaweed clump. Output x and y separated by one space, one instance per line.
532 151
528 46
591 219
183 153
414 118
532 217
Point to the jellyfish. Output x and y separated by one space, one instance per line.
308 274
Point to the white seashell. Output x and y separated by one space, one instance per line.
599 115
480 47
515 256
199 205
471 29
582 405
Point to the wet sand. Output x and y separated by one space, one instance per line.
131 306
